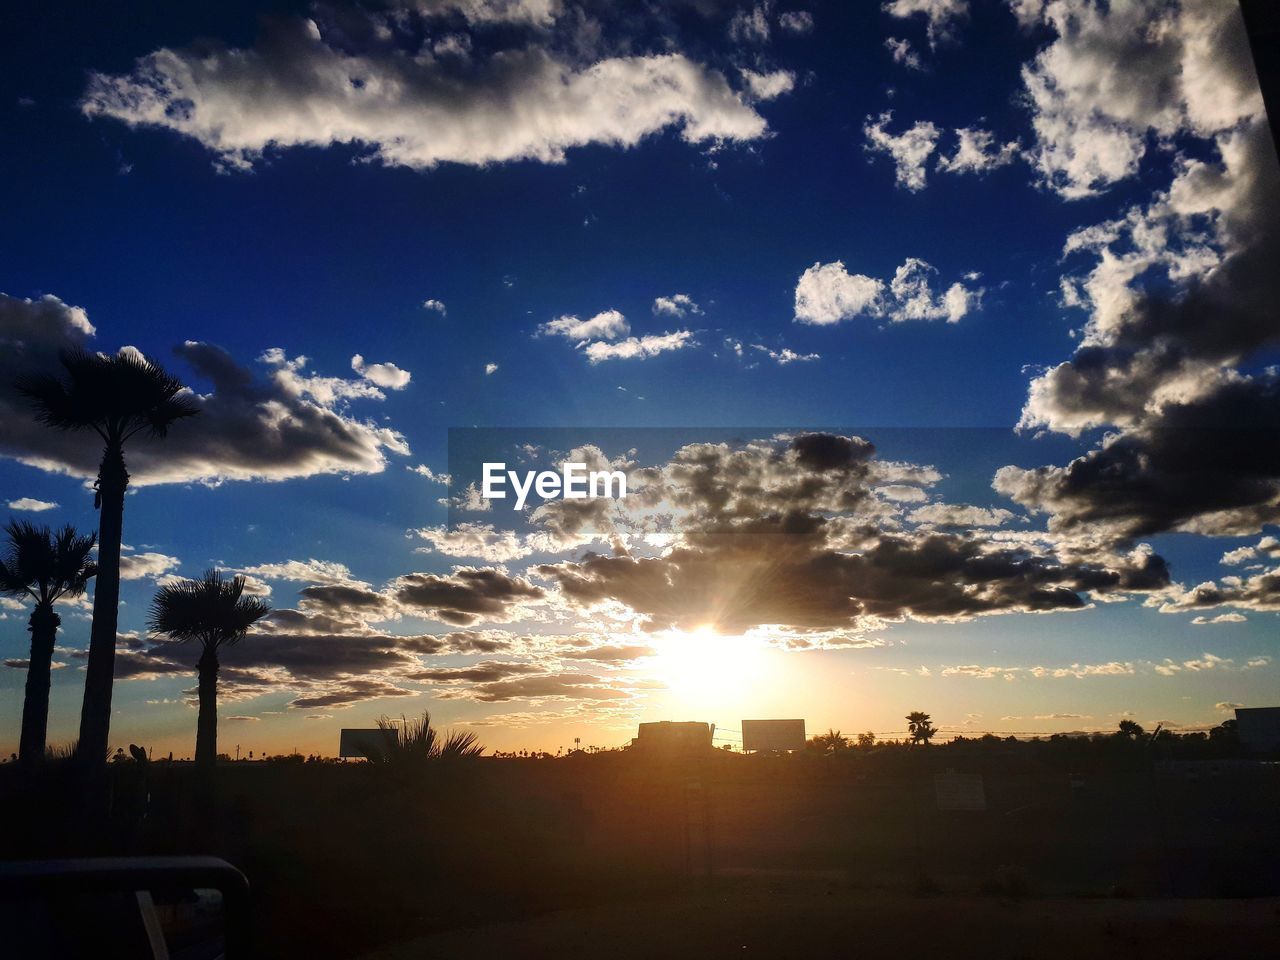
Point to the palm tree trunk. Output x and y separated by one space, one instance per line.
207 721
95 715
35 707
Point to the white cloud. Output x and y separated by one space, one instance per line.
490 369
796 21
977 152
478 540
910 150
31 504
537 13
914 299
423 470
766 86
750 26
1220 618
942 17
302 571
827 293
412 108
676 305
959 515
786 355
902 53
1117 72
639 348
436 305
386 375
1266 547
605 325
141 566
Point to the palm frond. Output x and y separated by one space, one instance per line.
415 744
117 396
459 745
212 610
47 565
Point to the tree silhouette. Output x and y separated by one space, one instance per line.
46 567
409 744
833 741
921 727
214 611
117 397
1129 730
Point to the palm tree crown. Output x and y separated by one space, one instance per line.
115 396
45 565
212 610
920 726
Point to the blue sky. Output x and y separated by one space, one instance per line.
182 226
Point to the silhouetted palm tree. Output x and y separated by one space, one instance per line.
116 397
214 611
833 741
1130 730
920 726
46 567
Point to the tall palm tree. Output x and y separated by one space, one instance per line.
46 567
920 726
117 397
214 611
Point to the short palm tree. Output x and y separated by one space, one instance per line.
45 566
117 397
920 726
214 611
409 744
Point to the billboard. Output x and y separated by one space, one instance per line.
357 742
772 736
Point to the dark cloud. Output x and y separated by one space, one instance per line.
741 581
1182 298
273 423
350 693
1211 466
483 672
565 686
467 595
610 653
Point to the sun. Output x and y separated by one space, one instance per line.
702 667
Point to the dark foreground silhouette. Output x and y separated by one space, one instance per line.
1116 846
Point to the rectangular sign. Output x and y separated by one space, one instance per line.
772 736
358 743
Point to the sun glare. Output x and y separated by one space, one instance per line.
702 667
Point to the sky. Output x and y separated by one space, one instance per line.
935 337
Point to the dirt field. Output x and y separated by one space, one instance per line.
794 918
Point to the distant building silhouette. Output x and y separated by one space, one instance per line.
1258 728
674 737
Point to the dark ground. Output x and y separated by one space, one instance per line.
796 856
